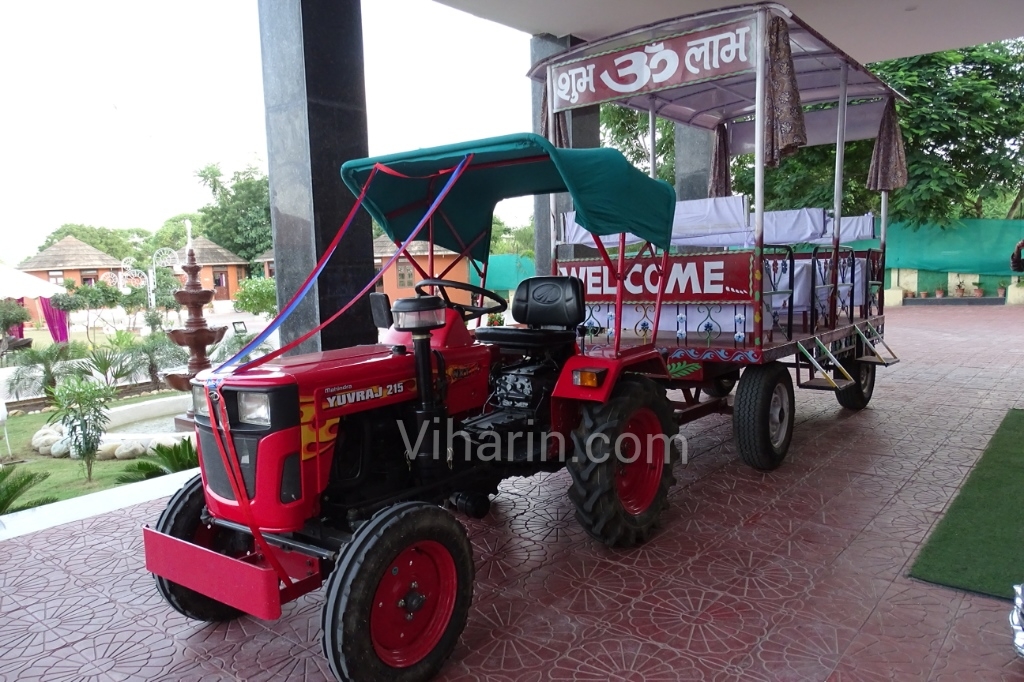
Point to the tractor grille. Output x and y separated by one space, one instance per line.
213 465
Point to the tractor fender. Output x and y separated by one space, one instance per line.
649 363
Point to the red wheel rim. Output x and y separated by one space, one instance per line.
640 462
413 604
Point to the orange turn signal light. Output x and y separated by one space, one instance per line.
588 378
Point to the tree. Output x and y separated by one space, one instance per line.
962 132
628 131
95 297
166 284
172 233
257 296
239 218
82 409
120 243
134 302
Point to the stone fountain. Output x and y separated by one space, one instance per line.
196 336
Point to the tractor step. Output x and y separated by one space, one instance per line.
826 384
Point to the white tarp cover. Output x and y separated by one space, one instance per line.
17 284
720 222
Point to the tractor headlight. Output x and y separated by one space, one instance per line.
420 314
254 408
199 404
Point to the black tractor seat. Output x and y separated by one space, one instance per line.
552 307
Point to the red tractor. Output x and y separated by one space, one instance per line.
336 466
333 466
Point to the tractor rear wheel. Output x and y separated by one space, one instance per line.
762 418
181 519
622 464
399 598
858 396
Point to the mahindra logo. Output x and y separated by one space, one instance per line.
547 293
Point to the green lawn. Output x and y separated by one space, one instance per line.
67 476
979 543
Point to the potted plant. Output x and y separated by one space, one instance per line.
922 294
939 292
1001 289
960 288
978 291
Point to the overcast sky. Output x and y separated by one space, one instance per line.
110 106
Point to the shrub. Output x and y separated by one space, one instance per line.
82 409
12 314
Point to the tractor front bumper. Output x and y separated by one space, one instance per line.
248 583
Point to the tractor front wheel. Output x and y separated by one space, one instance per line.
181 519
399 598
622 465
763 415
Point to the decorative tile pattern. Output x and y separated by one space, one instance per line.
796 574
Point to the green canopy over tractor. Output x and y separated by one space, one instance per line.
610 195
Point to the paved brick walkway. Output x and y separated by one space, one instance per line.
794 575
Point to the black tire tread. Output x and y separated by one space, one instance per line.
854 397
722 386
592 491
179 519
341 589
750 427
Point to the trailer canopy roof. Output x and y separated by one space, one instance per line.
610 195
706 102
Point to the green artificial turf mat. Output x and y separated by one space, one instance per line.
979 544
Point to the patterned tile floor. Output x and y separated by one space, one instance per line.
799 574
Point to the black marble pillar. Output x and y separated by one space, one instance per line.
584 127
316 120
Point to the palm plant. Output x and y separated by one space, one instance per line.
157 352
114 365
37 370
15 484
166 459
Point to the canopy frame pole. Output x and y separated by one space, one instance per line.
881 243
837 208
760 57
652 124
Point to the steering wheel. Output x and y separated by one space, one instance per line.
467 312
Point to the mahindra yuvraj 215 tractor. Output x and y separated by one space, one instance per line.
333 466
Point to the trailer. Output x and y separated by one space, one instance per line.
343 467
742 288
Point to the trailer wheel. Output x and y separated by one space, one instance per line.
858 396
399 598
722 386
762 420
621 473
181 520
